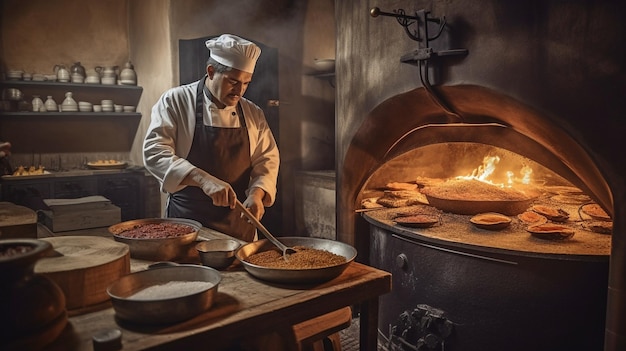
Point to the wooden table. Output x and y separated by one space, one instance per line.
245 308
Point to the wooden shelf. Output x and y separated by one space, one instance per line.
6 115
71 132
329 76
94 93
324 75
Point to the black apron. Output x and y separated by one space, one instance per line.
225 154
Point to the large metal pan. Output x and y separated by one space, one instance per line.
164 310
157 249
297 276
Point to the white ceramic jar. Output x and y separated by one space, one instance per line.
37 103
51 105
128 76
63 75
69 104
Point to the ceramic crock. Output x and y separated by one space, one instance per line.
32 305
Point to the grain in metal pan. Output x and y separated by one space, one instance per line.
303 258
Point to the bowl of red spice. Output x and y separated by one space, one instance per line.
157 239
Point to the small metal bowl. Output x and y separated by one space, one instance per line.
217 253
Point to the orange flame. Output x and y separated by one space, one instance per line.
488 168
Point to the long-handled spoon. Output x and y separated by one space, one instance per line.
285 249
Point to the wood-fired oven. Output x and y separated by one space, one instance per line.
537 85
461 287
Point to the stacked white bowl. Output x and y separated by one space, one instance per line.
14 74
107 105
85 106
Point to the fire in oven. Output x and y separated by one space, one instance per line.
489 250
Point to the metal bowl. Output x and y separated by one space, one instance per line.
217 253
299 276
157 249
164 310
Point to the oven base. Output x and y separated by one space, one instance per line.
495 301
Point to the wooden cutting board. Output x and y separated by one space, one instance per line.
84 266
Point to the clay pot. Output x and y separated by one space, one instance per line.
33 305
110 71
37 103
69 104
51 105
63 75
128 75
78 69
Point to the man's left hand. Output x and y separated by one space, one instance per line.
254 202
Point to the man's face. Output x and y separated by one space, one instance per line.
227 87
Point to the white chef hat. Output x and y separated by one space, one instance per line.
235 52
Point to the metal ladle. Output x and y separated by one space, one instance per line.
285 249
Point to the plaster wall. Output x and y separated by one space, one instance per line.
39 34
151 53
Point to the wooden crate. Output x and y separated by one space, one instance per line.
81 213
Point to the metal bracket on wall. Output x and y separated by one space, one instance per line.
420 33
424 52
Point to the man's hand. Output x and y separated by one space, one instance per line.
218 190
254 202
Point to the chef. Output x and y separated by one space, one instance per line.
208 145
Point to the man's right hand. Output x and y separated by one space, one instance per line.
218 190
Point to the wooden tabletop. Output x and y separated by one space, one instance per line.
244 308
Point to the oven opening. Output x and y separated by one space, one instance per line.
474 194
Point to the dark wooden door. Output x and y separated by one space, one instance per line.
263 91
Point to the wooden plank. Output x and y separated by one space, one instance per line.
95 202
319 327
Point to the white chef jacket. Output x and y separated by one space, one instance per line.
170 135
